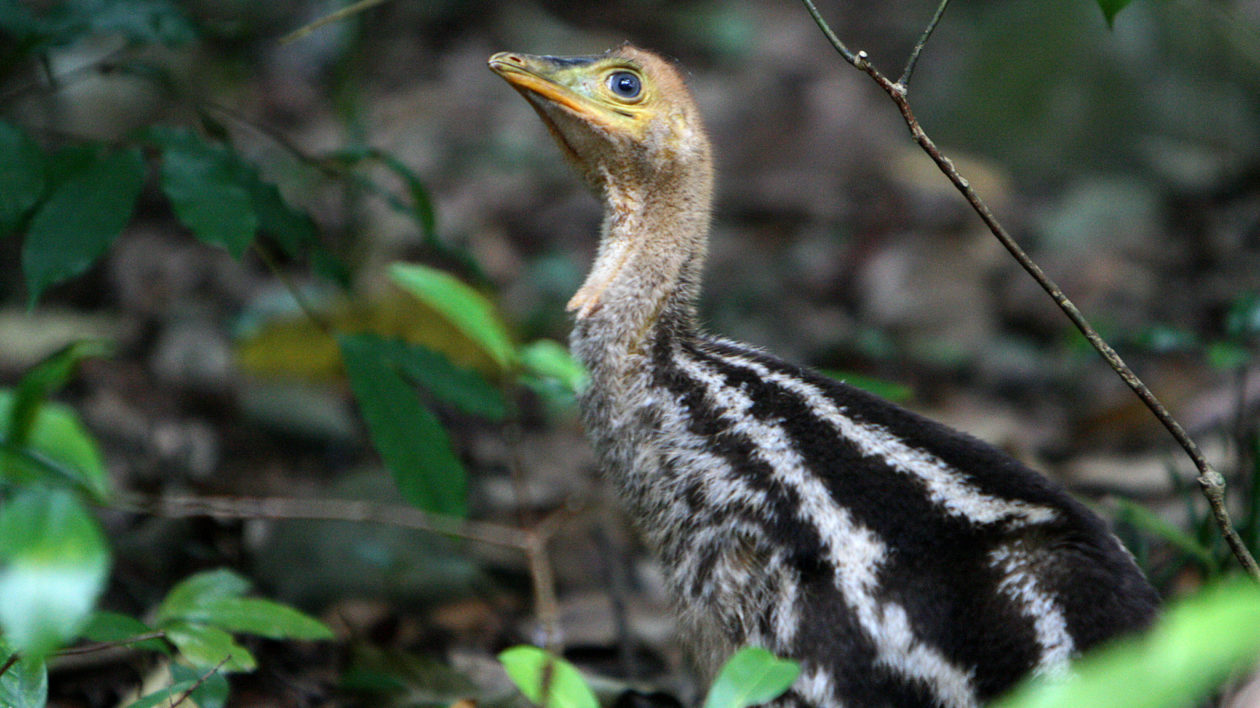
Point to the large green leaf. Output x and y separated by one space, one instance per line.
80 219
58 448
253 615
208 186
547 680
198 589
408 436
432 371
1190 651
21 180
293 229
53 566
25 683
205 647
464 307
751 677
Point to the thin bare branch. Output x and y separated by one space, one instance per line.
105 646
1211 481
918 46
326 510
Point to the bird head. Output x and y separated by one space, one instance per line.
623 118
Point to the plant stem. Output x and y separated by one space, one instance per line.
1210 481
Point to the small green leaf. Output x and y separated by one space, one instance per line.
213 690
21 180
1193 648
409 438
45 379
205 647
252 615
80 219
25 683
421 205
207 186
751 677
546 680
164 696
1111 8
550 359
53 565
58 448
464 307
197 589
116 628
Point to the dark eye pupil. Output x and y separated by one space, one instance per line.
624 84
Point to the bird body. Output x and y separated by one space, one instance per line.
901 562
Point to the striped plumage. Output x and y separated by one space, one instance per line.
903 563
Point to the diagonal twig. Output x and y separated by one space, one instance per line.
1210 481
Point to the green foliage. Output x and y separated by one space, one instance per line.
53 566
206 184
25 683
200 614
1191 650
409 437
464 307
78 221
548 359
547 680
22 181
751 676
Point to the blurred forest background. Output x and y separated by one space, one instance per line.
1127 160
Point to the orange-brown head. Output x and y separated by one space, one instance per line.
624 117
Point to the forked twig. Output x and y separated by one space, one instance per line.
1211 481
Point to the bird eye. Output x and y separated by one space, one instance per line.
625 84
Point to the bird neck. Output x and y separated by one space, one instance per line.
646 275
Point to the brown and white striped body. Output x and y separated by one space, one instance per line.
901 562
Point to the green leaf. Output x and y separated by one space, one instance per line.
253 615
21 180
1227 355
431 370
80 219
213 690
550 359
1147 520
165 696
205 647
1163 339
1111 8
25 683
464 307
294 230
408 436
116 628
53 566
1194 647
58 448
45 379
208 188
198 589
751 677
421 205
547 680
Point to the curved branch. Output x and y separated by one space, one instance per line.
1210 481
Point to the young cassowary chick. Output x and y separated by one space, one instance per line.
901 562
